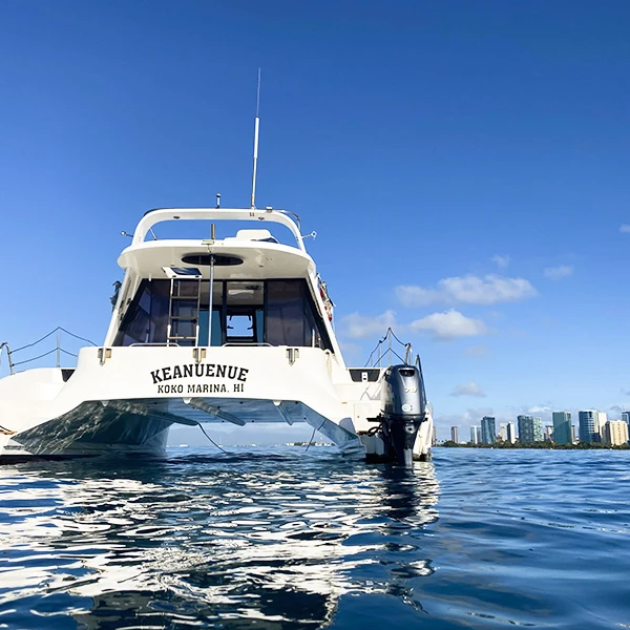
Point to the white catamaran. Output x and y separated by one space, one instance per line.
237 330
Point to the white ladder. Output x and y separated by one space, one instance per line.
183 312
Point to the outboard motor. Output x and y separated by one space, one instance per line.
402 411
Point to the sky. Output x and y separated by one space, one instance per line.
465 165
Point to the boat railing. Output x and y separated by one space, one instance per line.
58 350
160 215
154 344
423 393
389 347
248 344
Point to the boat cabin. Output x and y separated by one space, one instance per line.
247 289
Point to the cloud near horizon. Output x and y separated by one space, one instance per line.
439 326
449 325
358 326
468 389
469 289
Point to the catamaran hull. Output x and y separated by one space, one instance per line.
124 400
141 427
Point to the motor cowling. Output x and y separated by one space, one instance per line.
402 411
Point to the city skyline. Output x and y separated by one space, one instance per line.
593 426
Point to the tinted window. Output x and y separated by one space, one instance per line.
291 316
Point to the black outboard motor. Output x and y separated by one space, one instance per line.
402 411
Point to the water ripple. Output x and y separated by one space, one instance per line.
282 539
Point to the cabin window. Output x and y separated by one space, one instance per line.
146 318
292 319
244 312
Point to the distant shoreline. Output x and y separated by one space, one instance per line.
580 446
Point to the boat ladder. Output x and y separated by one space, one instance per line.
183 312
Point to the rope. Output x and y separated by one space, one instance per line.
30 345
52 332
75 336
69 353
211 440
35 358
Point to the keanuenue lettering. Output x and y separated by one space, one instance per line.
200 370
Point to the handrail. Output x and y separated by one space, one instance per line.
389 351
5 344
152 218
57 349
424 393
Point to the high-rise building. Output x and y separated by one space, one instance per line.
475 434
615 432
529 429
562 427
548 433
455 434
511 432
602 419
503 431
488 430
434 437
573 434
625 416
589 425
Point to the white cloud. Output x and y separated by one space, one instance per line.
409 295
358 326
625 228
468 389
469 290
557 273
539 409
449 325
501 261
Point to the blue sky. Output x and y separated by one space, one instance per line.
465 165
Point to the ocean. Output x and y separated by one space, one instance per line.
279 538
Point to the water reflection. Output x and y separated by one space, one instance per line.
271 540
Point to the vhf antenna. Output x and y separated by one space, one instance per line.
256 143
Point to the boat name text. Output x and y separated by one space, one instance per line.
201 370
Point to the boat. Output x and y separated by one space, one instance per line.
237 329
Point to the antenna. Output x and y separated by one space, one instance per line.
256 127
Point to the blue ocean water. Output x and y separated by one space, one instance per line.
280 538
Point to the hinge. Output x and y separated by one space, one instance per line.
293 355
104 354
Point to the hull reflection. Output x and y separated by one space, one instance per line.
269 540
